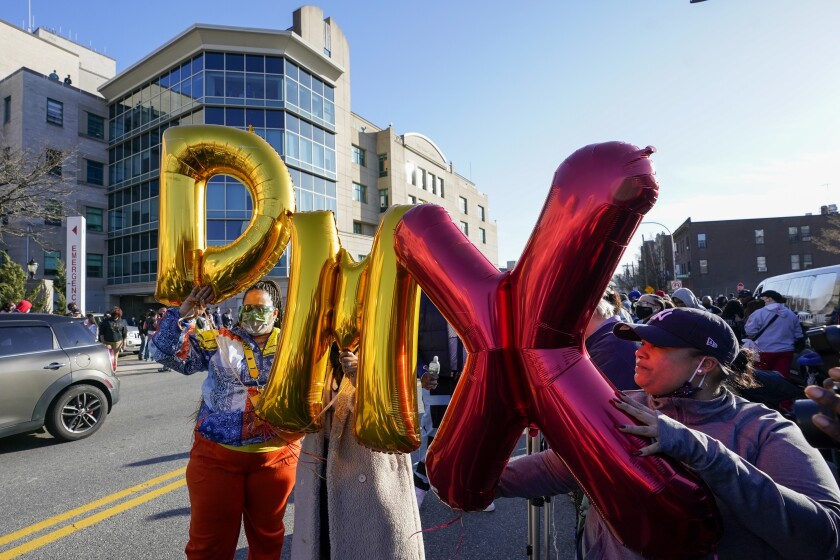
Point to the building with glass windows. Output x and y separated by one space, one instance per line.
293 87
51 107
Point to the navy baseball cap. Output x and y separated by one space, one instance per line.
685 327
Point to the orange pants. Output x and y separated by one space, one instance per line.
227 485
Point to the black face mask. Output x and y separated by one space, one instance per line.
644 312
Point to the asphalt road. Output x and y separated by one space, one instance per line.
121 492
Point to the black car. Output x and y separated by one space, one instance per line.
54 374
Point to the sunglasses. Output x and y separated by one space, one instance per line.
259 309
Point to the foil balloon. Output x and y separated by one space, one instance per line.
369 306
191 155
294 395
523 330
386 416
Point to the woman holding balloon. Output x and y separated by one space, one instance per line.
775 493
240 467
352 503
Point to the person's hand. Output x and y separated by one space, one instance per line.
428 381
827 398
349 363
649 427
196 302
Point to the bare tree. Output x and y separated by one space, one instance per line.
829 238
34 187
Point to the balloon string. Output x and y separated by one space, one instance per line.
457 518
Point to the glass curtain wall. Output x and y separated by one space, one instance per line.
285 104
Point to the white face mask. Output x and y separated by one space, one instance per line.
256 327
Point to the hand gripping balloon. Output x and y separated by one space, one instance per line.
523 330
191 155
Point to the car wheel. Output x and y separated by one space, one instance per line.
77 413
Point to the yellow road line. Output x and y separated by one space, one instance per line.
88 521
11 537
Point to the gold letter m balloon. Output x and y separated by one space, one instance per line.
371 305
191 156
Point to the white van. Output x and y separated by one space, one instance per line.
813 294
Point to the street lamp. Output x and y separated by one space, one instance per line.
673 253
32 268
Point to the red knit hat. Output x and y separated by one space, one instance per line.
24 306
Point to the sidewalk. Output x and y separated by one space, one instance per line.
128 364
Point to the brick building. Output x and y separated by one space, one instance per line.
713 257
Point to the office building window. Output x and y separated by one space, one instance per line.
462 204
94 172
7 109
481 215
704 266
807 260
793 233
94 265
687 247
93 218
412 199
432 183
383 200
701 240
53 213
358 155
95 126
55 112
54 158
51 259
759 237
465 227
383 165
761 264
482 235
805 233
421 178
794 262
359 192
357 227
440 187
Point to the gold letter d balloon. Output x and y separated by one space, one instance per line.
191 155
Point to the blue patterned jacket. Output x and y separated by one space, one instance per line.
228 394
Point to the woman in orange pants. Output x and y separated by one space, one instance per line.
240 468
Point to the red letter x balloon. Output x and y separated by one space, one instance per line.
524 333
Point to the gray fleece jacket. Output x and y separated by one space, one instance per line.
775 493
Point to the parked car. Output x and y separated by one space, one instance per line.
132 340
54 374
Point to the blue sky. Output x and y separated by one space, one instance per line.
741 98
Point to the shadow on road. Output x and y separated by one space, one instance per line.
24 442
180 512
163 459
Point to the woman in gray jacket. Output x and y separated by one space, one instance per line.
775 493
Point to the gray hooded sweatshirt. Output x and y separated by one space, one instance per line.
775 493
688 298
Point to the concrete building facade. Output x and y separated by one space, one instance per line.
43 114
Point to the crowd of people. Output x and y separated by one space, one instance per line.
681 365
